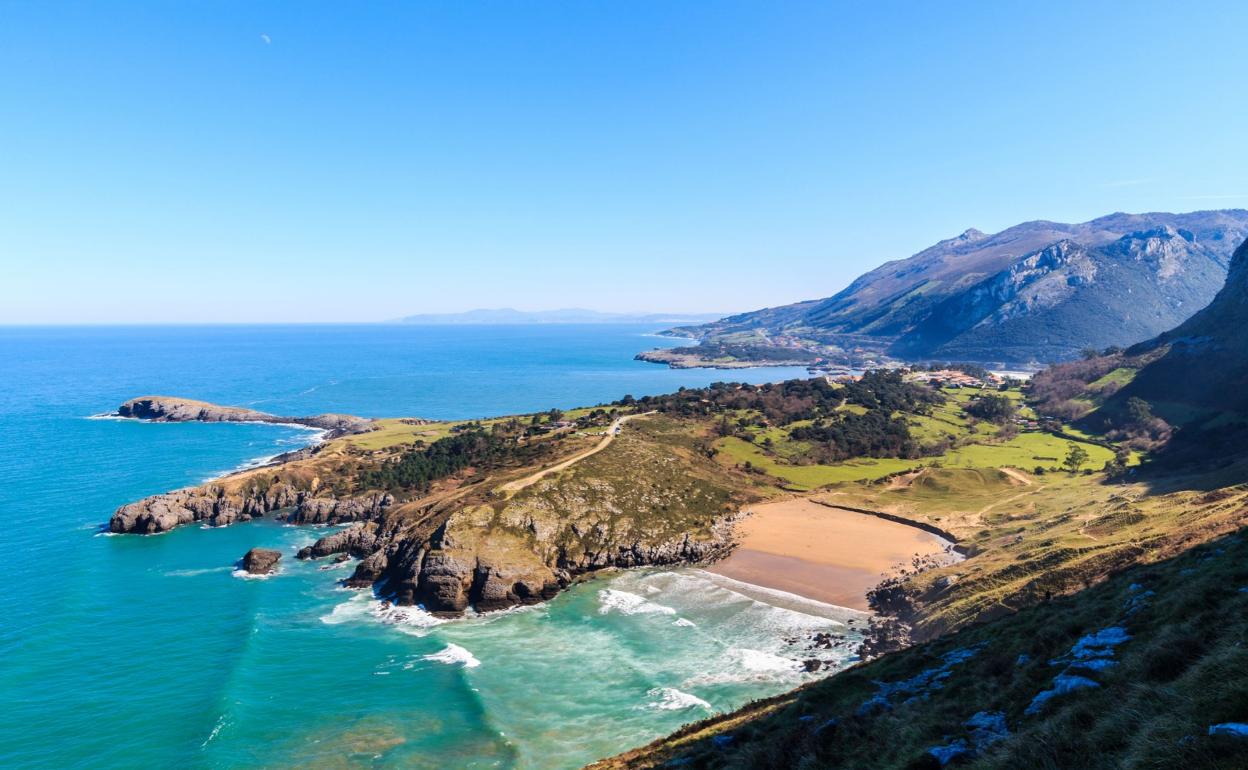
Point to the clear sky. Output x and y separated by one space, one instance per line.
304 161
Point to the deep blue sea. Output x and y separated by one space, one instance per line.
127 651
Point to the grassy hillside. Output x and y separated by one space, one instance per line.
956 441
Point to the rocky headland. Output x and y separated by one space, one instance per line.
481 538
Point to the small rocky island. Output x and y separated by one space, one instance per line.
261 561
171 409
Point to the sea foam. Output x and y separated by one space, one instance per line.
453 654
362 606
671 699
625 603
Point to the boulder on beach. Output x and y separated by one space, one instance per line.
261 561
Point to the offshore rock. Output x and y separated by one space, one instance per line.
261 561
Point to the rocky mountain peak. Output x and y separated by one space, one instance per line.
1166 249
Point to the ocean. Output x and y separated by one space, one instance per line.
126 651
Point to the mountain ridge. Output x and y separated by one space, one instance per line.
1153 268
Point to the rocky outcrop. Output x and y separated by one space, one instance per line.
425 565
261 561
172 409
217 506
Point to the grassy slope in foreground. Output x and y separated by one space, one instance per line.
1028 537
1170 637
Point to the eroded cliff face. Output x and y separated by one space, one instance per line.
218 505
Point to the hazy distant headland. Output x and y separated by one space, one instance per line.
508 315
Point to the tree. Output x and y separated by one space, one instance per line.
995 409
1076 456
1139 411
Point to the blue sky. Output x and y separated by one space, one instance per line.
302 161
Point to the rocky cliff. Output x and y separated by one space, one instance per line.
220 504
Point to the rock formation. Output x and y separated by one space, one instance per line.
217 505
261 561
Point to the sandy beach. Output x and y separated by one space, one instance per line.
822 553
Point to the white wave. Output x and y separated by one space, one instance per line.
363 606
453 654
671 699
758 661
110 416
626 603
739 665
194 572
406 618
245 575
355 608
683 623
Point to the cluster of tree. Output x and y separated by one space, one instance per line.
780 403
874 434
1137 427
786 402
995 409
886 389
416 470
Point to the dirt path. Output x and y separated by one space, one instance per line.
533 478
1017 475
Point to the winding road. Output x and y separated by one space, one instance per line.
533 478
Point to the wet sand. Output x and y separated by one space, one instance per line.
822 553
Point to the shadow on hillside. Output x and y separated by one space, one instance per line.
1203 464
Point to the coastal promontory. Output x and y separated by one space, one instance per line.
172 409
486 514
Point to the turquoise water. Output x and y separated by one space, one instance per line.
149 652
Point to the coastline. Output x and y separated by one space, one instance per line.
825 554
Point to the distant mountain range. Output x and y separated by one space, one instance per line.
1036 292
564 316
